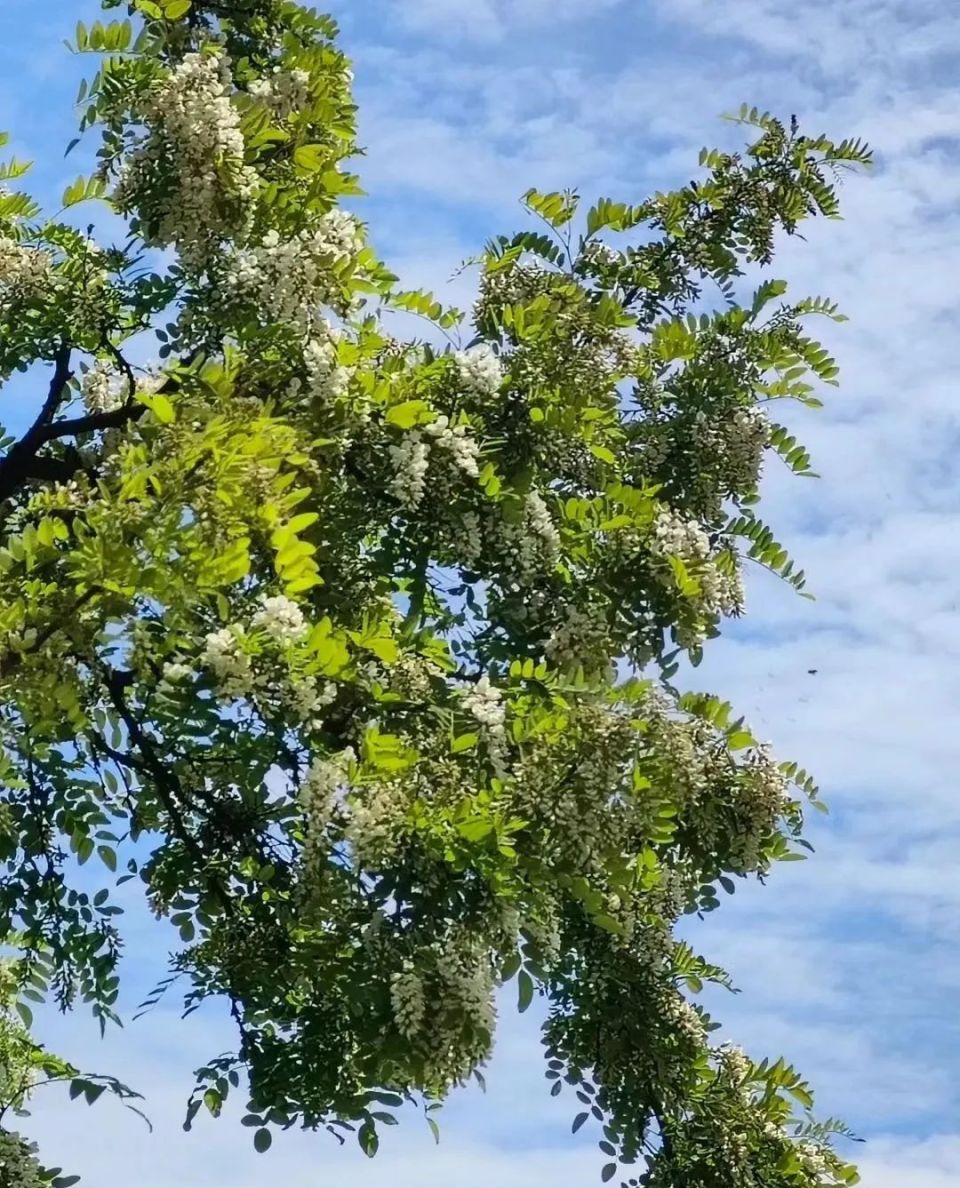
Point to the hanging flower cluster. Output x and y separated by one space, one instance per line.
186 180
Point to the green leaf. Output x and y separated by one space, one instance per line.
408 414
262 1140
465 742
159 405
477 829
383 648
524 990
311 157
368 1139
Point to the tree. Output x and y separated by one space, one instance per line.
357 652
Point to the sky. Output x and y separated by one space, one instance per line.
848 963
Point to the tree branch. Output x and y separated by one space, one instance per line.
15 466
22 463
166 782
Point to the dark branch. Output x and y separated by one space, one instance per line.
14 468
114 419
22 463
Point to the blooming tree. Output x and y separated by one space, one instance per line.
356 652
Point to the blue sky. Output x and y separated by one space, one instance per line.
848 963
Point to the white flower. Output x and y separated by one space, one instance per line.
306 697
325 779
408 1001
458 441
600 253
287 280
23 270
485 703
281 619
326 378
480 370
175 673
193 136
410 459
102 388
230 665
721 586
283 91
675 536
734 446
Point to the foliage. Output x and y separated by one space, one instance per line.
321 635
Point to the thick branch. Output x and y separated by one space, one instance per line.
116 418
14 468
22 463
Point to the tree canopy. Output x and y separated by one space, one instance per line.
356 652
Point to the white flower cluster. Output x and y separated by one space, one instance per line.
733 1060
532 544
410 458
318 792
458 441
685 1018
283 91
454 975
175 672
375 813
484 702
223 654
600 253
187 179
306 696
673 535
281 619
814 1159
480 370
574 790
237 675
102 388
326 378
721 593
287 279
23 270
735 446
762 797
408 1001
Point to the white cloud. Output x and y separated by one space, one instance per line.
494 20
892 1163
